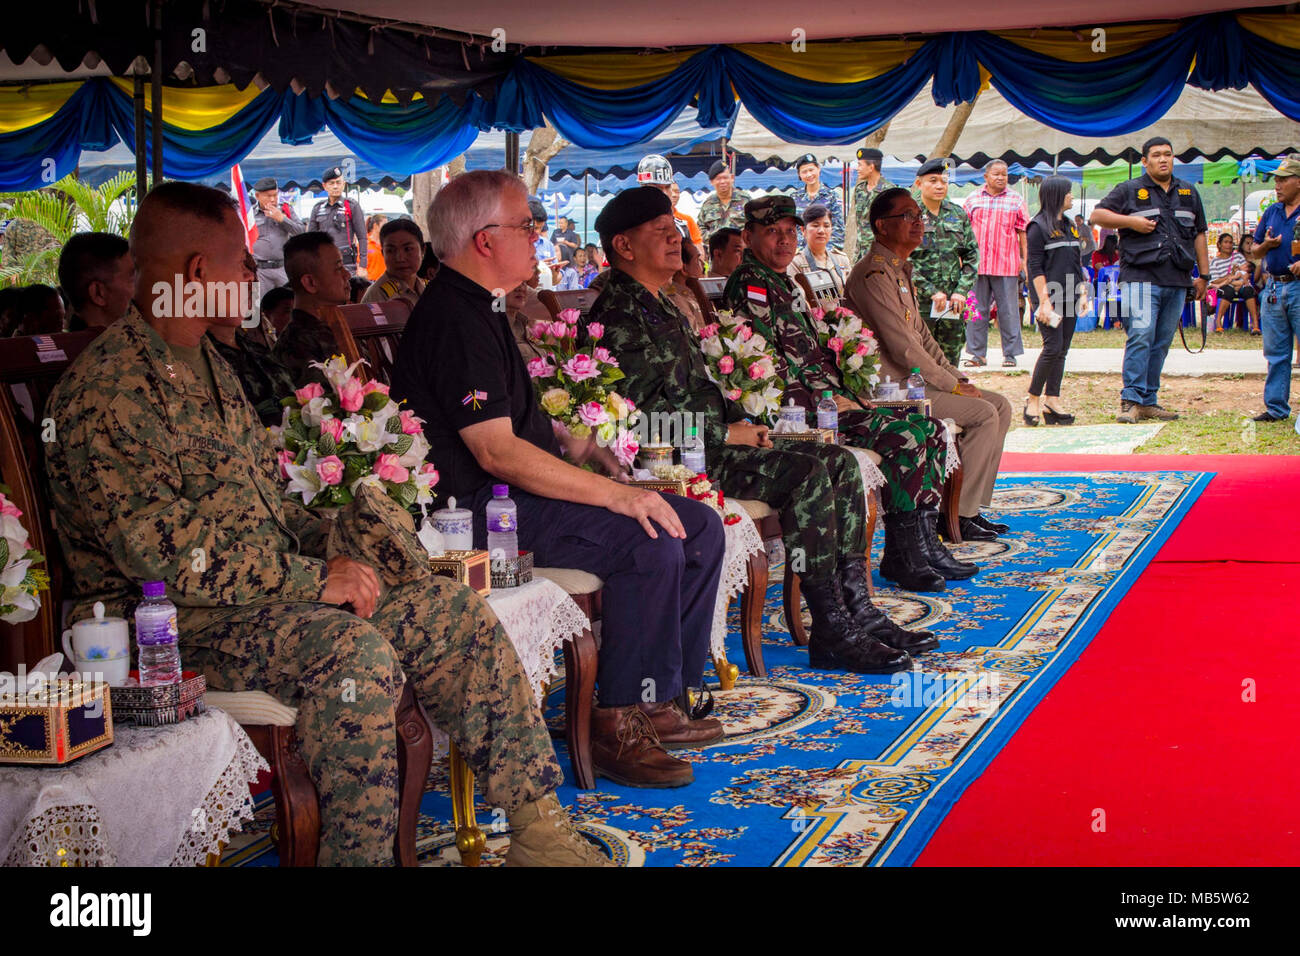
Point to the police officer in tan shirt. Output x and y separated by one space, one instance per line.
880 290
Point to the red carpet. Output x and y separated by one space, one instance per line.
1149 725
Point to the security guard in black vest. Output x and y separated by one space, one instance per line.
275 223
341 219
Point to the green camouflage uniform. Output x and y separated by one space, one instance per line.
947 261
713 217
911 446
863 197
152 481
265 380
305 339
816 488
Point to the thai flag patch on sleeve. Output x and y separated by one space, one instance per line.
474 397
757 293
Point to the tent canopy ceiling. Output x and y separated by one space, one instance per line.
1201 123
687 23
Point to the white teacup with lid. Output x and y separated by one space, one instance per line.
456 526
100 647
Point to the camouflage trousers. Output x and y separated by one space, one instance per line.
345 676
912 451
816 488
950 334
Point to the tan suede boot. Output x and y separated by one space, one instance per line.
543 835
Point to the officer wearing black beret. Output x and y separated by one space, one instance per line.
275 223
870 184
343 220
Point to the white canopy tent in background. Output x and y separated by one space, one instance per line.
1235 122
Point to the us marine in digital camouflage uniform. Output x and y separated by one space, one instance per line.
816 488
912 447
714 213
161 472
947 262
864 194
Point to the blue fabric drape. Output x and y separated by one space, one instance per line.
193 154
45 153
1100 98
406 139
600 119
803 111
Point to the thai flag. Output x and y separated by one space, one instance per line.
245 208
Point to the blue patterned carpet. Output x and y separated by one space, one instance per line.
840 769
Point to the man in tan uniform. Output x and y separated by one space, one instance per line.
880 290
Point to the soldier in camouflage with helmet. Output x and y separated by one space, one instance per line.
944 269
161 472
816 488
912 447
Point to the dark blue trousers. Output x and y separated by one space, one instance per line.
657 606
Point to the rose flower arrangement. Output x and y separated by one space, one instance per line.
20 583
573 387
336 439
741 362
857 354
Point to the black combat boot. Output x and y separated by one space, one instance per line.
939 557
904 562
836 643
872 621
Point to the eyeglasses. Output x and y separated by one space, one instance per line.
525 225
910 218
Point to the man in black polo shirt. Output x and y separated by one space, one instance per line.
1161 236
660 555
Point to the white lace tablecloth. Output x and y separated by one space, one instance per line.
951 462
158 796
743 540
538 617
872 476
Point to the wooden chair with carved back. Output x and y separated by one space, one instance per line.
29 368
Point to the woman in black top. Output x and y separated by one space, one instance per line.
1061 289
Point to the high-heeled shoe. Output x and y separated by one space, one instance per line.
1030 420
1056 418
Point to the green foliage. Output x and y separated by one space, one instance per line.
400 445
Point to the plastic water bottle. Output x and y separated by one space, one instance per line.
502 525
693 452
915 385
156 635
828 414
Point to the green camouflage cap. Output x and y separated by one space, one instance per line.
1290 166
770 209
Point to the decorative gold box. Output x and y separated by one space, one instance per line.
823 435
158 705
919 405
470 568
671 486
54 723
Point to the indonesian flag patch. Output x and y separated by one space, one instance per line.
757 293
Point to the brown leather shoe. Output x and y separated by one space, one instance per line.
677 731
626 749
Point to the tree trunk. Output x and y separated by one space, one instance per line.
851 214
952 132
543 145
423 186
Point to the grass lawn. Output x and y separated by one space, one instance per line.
1114 339
1215 411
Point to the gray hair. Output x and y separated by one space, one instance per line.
464 206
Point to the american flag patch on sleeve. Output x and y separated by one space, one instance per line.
475 396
